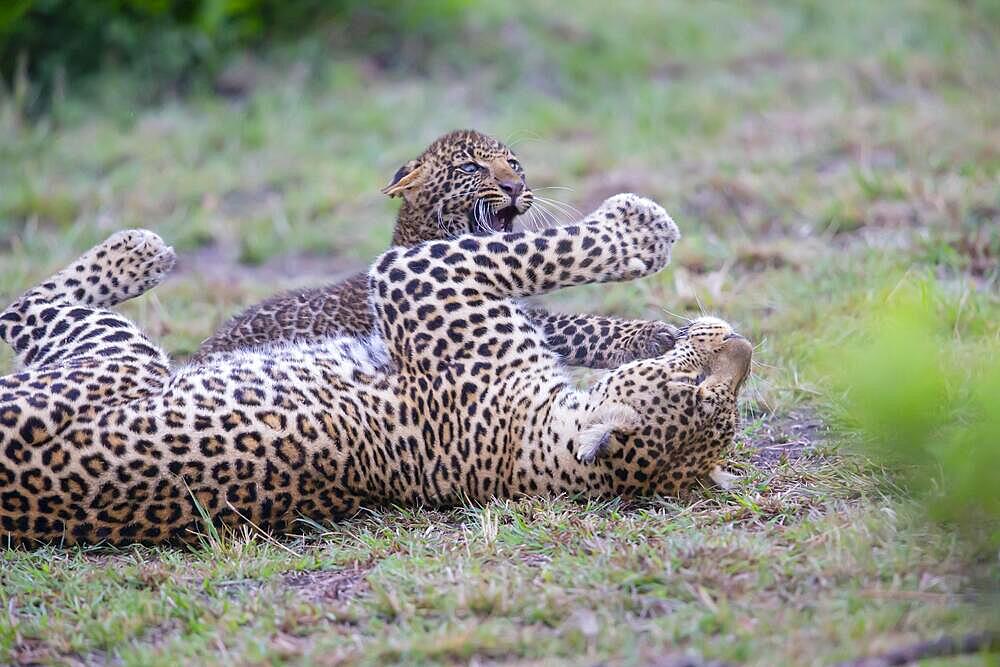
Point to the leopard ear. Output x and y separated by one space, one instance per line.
408 176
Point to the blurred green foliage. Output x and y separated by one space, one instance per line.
927 403
171 46
167 41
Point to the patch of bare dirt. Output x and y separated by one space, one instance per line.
326 585
785 437
894 214
764 60
153 638
979 243
670 70
241 202
238 78
602 183
31 651
850 156
535 560
756 257
679 659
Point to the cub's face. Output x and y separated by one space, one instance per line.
465 182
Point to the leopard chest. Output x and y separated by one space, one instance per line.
458 435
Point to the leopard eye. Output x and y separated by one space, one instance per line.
469 167
514 164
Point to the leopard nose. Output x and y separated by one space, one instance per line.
512 187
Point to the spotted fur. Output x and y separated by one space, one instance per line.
465 182
455 395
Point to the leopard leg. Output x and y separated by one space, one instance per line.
446 300
78 359
72 351
64 318
595 341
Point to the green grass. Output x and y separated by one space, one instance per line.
815 155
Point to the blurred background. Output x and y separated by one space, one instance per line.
834 168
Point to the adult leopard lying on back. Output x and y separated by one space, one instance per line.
464 182
455 396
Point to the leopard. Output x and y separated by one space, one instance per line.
454 397
464 182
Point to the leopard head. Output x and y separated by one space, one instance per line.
464 182
666 427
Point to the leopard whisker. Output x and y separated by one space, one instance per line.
547 215
543 214
531 222
538 217
701 307
754 386
440 217
673 314
563 205
557 216
528 136
555 206
540 222
486 219
481 217
563 216
440 210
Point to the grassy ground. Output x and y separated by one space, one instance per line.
816 156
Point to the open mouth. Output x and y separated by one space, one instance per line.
497 221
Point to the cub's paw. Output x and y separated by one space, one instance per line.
650 339
127 264
646 230
632 208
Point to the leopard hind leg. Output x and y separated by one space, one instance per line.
64 317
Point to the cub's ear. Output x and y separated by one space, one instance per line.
408 176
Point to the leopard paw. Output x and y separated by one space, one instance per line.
725 480
652 340
126 265
648 233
